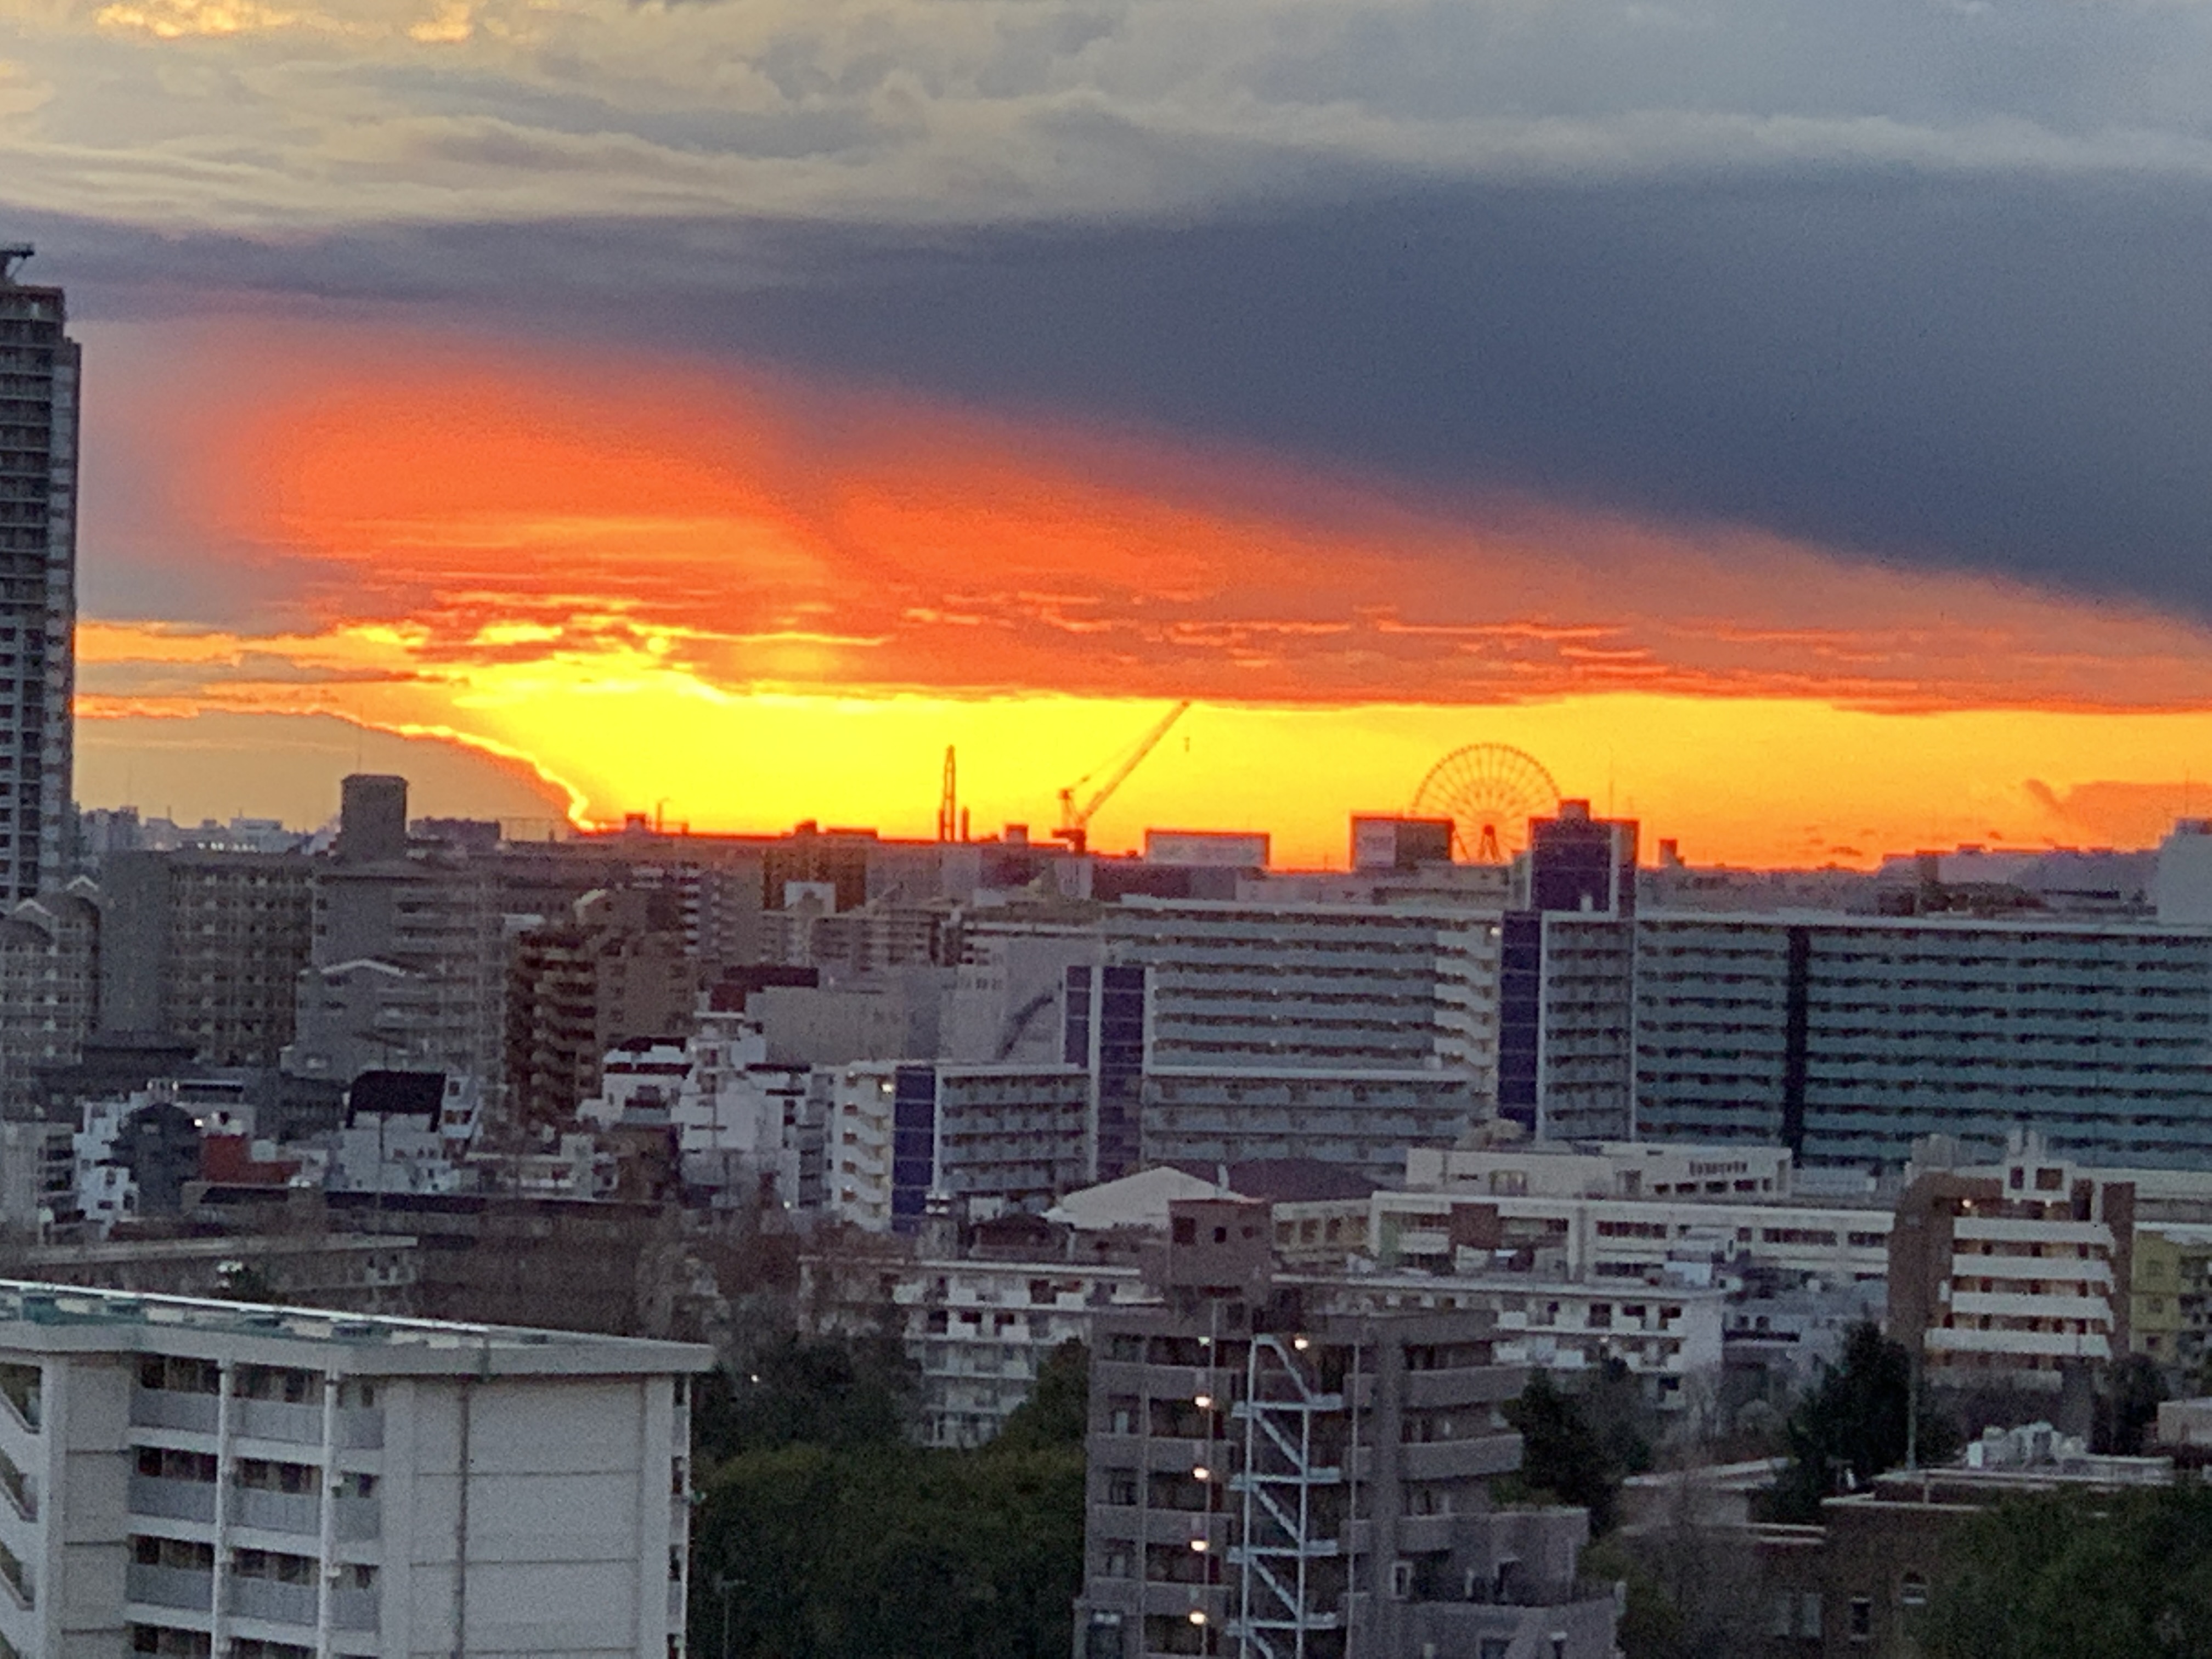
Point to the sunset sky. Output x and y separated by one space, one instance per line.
1791 422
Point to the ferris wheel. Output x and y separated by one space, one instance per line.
1489 790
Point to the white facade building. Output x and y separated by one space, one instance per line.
899 1134
1604 1211
978 1330
189 1477
1668 1335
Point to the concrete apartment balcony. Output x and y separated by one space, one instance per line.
1463 1459
173 1408
270 1602
354 1609
1172 1600
164 1499
1423 1535
1487 1385
296 1512
1170 1454
168 1587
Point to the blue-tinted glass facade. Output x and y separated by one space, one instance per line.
1520 1015
1121 1070
914 1143
1075 1032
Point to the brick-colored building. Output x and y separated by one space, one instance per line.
2015 1278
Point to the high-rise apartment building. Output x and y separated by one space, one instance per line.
38 377
190 1477
207 947
1342 1033
613 970
1564 975
408 963
1846 1038
49 972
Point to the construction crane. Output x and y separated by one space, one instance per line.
1075 821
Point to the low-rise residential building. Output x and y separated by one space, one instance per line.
1850 1587
1267 1477
2170 1293
201 1477
1597 1210
977 1329
1665 1335
2018 1275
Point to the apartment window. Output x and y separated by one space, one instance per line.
1861 1626
1913 1591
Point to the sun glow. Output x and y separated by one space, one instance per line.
636 587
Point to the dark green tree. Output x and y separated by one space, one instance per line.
1561 1454
1058 1411
1855 1424
823 1532
2124 1575
811 1392
2128 1396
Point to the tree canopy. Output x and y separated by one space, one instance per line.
1855 1424
823 1532
1577 1448
2124 1575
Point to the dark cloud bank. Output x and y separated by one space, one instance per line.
2011 376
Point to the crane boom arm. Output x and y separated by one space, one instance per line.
1078 817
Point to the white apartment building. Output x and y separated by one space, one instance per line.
189 1477
978 1330
1604 1169
742 1126
1667 1335
1603 1211
1339 1032
900 1133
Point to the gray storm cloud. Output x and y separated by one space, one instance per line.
262 114
1921 283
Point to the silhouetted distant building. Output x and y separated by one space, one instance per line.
1566 979
39 374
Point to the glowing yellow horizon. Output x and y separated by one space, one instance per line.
600 588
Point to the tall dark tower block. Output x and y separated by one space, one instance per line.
39 375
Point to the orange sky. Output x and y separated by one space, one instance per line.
622 582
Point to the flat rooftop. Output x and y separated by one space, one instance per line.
43 1318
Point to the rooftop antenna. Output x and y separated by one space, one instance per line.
12 254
